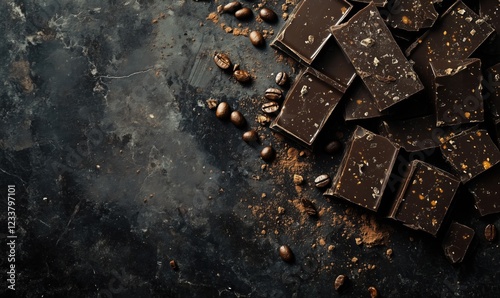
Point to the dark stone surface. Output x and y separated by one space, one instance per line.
119 167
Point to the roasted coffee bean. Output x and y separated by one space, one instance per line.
268 15
286 253
490 232
223 110
256 38
281 78
339 282
237 119
244 13
333 147
267 153
309 207
250 136
273 94
322 181
222 60
242 76
270 107
231 7
373 292
173 265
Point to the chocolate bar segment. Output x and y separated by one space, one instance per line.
365 169
307 106
306 30
410 15
457 91
360 103
369 45
486 191
424 197
457 242
379 3
470 153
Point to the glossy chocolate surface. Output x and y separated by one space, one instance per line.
360 104
486 191
457 242
411 15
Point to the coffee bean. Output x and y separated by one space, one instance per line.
222 60
333 147
223 110
250 136
237 119
270 107
173 265
373 292
242 76
339 282
268 15
309 207
286 253
256 38
267 153
281 78
490 232
244 13
231 7
273 94
322 181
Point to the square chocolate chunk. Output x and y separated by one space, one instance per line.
365 169
424 197
307 107
306 30
457 91
470 153
378 60
486 191
457 241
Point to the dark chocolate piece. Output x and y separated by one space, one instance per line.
307 107
416 134
486 191
470 153
492 97
490 10
306 30
457 241
379 3
424 197
365 169
410 15
457 91
360 103
378 60
333 63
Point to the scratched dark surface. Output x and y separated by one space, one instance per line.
120 167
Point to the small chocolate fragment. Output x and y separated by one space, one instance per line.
286 254
424 197
485 189
365 169
243 14
309 207
457 91
378 60
333 147
373 292
457 242
282 78
411 15
242 76
339 282
173 265
250 136
270 107
256 38
322 181
306 32
490 232
268 15
222 61
267 153
309 90
231 7
237 119
223 111
273 94
470 153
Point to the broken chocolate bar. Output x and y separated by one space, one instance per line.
470 153
365 169
424 197
379 3
306 30
457 91
486 191
360 103
457 242
411 15
378 60
307 106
